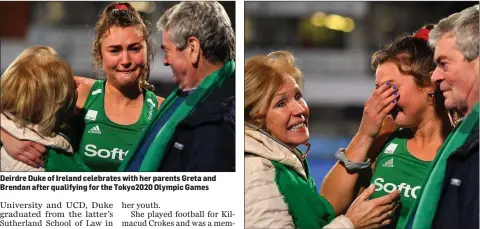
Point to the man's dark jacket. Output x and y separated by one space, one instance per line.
458 204
205 140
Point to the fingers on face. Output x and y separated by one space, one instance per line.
388 92
385 101
391 98
380 90
385 91
386 110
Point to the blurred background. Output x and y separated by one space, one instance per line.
332 43
69 28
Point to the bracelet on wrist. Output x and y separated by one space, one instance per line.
351 166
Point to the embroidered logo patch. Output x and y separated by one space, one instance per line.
391 148
388 163
95 130
178 146
91 115
455 181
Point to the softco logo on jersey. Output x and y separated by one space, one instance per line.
404 188
114 154
150 110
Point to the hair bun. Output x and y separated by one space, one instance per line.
422 34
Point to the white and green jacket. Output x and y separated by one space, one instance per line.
279 192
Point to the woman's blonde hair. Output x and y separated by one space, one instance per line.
38 88
265 75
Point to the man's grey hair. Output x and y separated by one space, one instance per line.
464 27
206 21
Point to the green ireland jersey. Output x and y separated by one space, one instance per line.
104 144
397 169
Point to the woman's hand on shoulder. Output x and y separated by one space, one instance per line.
83 86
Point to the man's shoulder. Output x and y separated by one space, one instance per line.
216 108
224 93
471 144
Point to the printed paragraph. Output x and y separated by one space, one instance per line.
33 214
152 215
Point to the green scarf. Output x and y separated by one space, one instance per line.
309 210
427 203
154 155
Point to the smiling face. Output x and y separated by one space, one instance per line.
178 60
413 102
123 55
287 115
456 75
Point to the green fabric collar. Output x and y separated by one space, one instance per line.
309 210
427 202
154 155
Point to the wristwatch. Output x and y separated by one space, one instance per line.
340 155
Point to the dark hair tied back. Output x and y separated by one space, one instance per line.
123 15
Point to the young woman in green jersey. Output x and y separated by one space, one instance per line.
117 109
401 156
114 111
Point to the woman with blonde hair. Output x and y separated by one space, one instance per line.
37 73
279 189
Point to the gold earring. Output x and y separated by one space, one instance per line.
431 97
